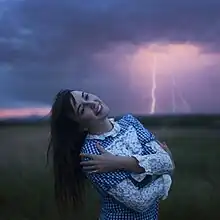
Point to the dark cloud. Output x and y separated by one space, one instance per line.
50 44
92 27
57 29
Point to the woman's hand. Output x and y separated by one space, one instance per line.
106 162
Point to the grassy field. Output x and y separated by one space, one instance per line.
26 188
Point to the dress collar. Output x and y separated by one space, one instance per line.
115 130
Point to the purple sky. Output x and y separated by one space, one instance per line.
118 49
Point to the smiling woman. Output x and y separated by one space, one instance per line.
130 170
88 108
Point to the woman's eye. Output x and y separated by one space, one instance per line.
87 97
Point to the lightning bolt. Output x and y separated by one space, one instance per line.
154 86
185 103
173 94
176 92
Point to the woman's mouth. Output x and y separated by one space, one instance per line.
98 109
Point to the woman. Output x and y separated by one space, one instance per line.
122 159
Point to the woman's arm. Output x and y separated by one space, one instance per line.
140 200
155 164
158 160
152 164
107 162
119 185
125 192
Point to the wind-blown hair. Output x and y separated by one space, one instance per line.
66 141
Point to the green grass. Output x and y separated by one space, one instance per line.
26 187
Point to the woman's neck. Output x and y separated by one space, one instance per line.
100 127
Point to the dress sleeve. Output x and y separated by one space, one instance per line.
157 161
141 199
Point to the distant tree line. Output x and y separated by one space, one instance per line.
211 121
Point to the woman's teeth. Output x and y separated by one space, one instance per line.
99 109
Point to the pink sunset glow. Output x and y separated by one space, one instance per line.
23 112
183 66
171 58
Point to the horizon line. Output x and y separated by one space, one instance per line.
23 112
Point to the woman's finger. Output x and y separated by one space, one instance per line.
89 168
91 156
164 144
100 148
88 163
94 171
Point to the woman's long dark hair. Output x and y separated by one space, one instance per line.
66 141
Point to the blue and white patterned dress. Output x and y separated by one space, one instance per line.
126 195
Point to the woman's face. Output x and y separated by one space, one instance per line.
88 108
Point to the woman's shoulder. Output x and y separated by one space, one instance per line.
129 118
139 127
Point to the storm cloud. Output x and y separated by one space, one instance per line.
46 45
